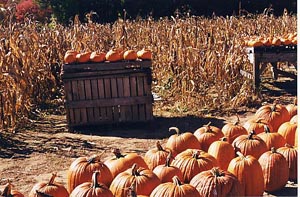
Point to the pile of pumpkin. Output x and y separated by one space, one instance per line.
235 160
284 40
113 55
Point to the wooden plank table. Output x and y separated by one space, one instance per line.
260 56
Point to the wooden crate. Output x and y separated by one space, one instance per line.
100 93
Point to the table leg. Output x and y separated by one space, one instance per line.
256 73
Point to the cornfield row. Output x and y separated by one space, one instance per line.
196 61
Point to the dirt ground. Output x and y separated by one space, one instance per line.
47 146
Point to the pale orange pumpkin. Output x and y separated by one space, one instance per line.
144 54
291 155
70 57
114 55
83 57
288 131
233 130
130 55
97 56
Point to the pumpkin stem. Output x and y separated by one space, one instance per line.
224 139
158 146
250 136
132 189
117 153
176 181
174 129
51 181
95 158
95 179
237 122
168 159
288 145
240 154
273 149
267 129
196 154
7 190
134 169
216 172
42 194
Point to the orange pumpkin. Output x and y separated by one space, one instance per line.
288 131
130 55
97 56
292 108
275 169
291 155
272 139
257 125
233 130
70 57
294 119
144 54
9 192
83 57
114 55
50 188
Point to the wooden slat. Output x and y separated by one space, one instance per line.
95 96
107 90
121 108
141 92
88 96
114 94
133 93
127 108
101 96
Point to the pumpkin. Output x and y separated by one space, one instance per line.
70 57
291 155
192 162
42 194
144 179
121 162
130 55
9 192
207 134
257 125
131 191
249 173
276 41
292 108
97 56
175 189
296 137
166 172
233 130
82 169
144 54
49 188
275 169
294 119
223 151
181 141
272 139
83 57
216 182
156 156
250 144
274 114
92 188
114 55
288 131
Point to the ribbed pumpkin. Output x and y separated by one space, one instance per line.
50 188
82 169
157 156
130 55
292 108
250 144
192 162
166 172
233 130
223 151
288 131
291 155
9 192
296 137
294 119
83 57
275 169
114 55
181 141
257 125
144 54
144 179
207 134
249 172
275 114
216 182
97 56
175 189
121 162
272 139
92 188
70 57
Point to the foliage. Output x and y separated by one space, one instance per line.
30 7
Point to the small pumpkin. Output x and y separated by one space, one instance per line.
130 55
49 188
114 55
97 56
70 57
144 54
275 169
9 192
83 57
233 130
291 155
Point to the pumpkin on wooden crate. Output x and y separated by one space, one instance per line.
288 131
9 192
192 162
50 188
130 55
92 188
249 173
166 172
97 57
82 169
291 155
207 134
122 161
83 57
114 55
70 57
233 130
216 182
157 156
223 151
144 179
181 141
257 125
272 139
144 54
275 169
175 189
250 144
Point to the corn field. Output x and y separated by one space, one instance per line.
196 60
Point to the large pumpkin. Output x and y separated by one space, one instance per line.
275 169
92 188
250 144
207 134
9 192
122 161
233 130
216 182
291 155
50 188
192 162
82 169
223 151
144 179
272 139
175 189
181 141
249 172
288 131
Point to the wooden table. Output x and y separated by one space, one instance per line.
260 56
